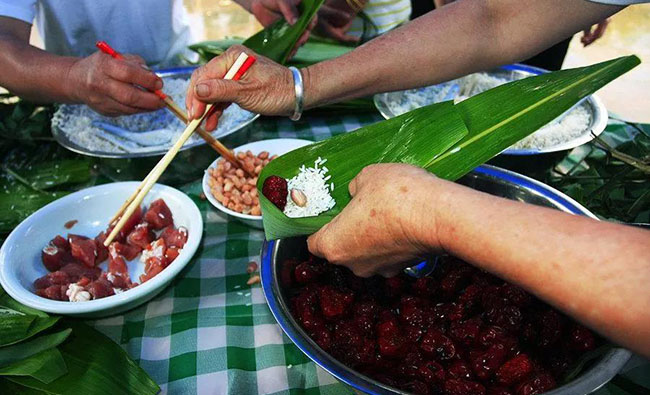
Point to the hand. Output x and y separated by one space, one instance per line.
269 11
335 18
589 36
266 88
386 225
107 85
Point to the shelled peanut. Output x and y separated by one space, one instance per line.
233 188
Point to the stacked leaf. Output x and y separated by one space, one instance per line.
448 140
40 354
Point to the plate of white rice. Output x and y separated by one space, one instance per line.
72 124
575 127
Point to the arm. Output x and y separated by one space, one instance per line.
460 38
597 272
457 39
105 84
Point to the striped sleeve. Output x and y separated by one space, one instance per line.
384 15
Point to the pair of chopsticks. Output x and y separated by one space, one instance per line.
243 63
180 114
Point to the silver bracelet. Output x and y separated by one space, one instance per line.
300 90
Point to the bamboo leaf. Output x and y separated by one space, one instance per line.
501 116
278 39
23 350
43 367
14 326
96 365
494 120
315 50
416 138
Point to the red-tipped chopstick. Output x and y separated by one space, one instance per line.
134 201
180 114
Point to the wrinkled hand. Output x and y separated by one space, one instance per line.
589 35
107 85
383 228
334 20
269 11
266 88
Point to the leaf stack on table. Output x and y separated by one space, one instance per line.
42 354
46 354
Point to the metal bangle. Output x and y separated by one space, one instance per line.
300 90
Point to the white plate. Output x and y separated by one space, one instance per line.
274 147
20 256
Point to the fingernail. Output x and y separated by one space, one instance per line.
192 111
159 84
202 90
294 20
144 66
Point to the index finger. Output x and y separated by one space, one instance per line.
133 73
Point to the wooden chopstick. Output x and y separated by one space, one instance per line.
242 63
180 114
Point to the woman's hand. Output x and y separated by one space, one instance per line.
266 88
269 11
335 18
388 223
107 85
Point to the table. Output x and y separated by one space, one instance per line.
209 332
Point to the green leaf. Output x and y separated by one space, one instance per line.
56 173
43 367
416 138
96 365
313 51
494 120
14 326
16 389
500 117
278 39
16 352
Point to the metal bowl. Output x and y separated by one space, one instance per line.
489 179
383 102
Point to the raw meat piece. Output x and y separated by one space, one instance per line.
129 252
54 278
54 257
85 251
159 215
141 236
100 288
174 237
76 271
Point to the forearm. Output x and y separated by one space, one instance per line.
596 272
32 73
460 38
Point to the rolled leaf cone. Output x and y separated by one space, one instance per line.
446 139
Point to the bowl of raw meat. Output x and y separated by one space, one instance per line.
56 261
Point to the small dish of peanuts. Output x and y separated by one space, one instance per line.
233 191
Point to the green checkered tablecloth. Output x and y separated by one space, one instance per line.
209 332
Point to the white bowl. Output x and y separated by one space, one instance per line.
20 256
274 147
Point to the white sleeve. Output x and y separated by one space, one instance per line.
24 10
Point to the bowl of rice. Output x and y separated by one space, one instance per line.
577 126
222 183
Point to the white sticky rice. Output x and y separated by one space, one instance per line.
313 182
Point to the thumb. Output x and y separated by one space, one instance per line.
217 90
